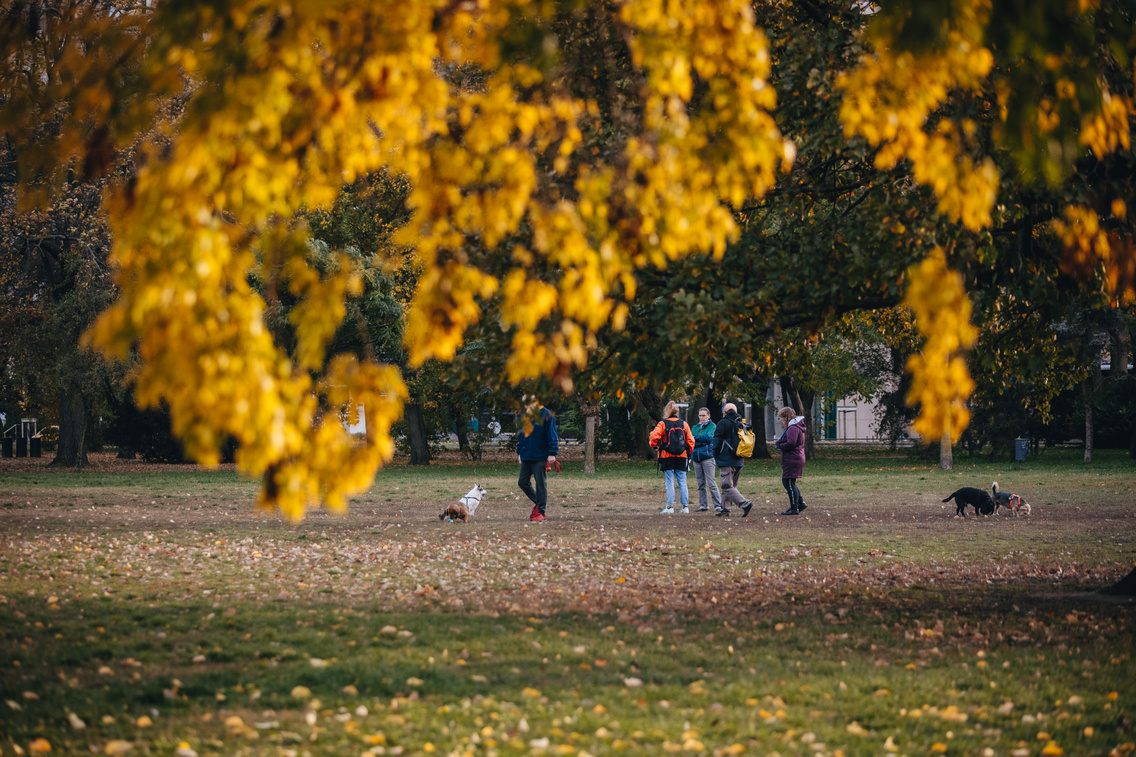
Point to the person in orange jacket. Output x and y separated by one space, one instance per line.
674 441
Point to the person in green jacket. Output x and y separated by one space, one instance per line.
703 461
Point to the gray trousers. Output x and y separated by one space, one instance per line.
704 472
730 493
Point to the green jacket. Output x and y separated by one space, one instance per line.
703 441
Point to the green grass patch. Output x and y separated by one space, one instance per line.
160 612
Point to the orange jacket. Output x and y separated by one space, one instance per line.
656 438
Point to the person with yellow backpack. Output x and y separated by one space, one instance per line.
733 443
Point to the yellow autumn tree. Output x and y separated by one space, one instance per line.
514 173
285 102
1055 105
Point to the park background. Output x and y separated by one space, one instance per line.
243 222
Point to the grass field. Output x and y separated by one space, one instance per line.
152 610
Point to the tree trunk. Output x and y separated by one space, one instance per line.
713 401
461 428
1132 403
761 449
72 449
1087 397
591 420
648 413
641 426
416 430
807 399
946 451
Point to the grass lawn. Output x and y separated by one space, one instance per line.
151 610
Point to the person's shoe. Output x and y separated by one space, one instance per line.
791 511
668 510
723 512
746 508
802 507
703 509
685 510
535 512
538 516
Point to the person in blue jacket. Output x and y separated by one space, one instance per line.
536 451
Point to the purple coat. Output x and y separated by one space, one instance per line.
792 446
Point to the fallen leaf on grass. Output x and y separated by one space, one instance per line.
1052 749
39 746
75 721
117 747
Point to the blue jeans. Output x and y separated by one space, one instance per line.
683 494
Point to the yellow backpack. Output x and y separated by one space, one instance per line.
746 439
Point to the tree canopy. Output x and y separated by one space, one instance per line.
559 155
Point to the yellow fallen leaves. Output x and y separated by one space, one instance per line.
117 748
530 692
1052 750
39 746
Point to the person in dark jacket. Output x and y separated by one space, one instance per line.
702 460
673 464
535 451
729 464
792 446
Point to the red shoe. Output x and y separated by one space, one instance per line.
535 512
538 516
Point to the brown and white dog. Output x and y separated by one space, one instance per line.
1013 502
464 507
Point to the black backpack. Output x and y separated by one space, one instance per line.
674 437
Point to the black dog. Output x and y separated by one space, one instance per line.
968 495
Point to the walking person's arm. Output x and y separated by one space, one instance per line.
553 437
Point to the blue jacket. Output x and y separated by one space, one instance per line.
543 442
726 441
703 441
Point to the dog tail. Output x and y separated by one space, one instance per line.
995 487
948 499
442 517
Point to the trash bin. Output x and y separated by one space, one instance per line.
1021 450
35 446
7 443
21 446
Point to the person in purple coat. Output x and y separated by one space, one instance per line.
792 446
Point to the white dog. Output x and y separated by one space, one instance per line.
464 507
